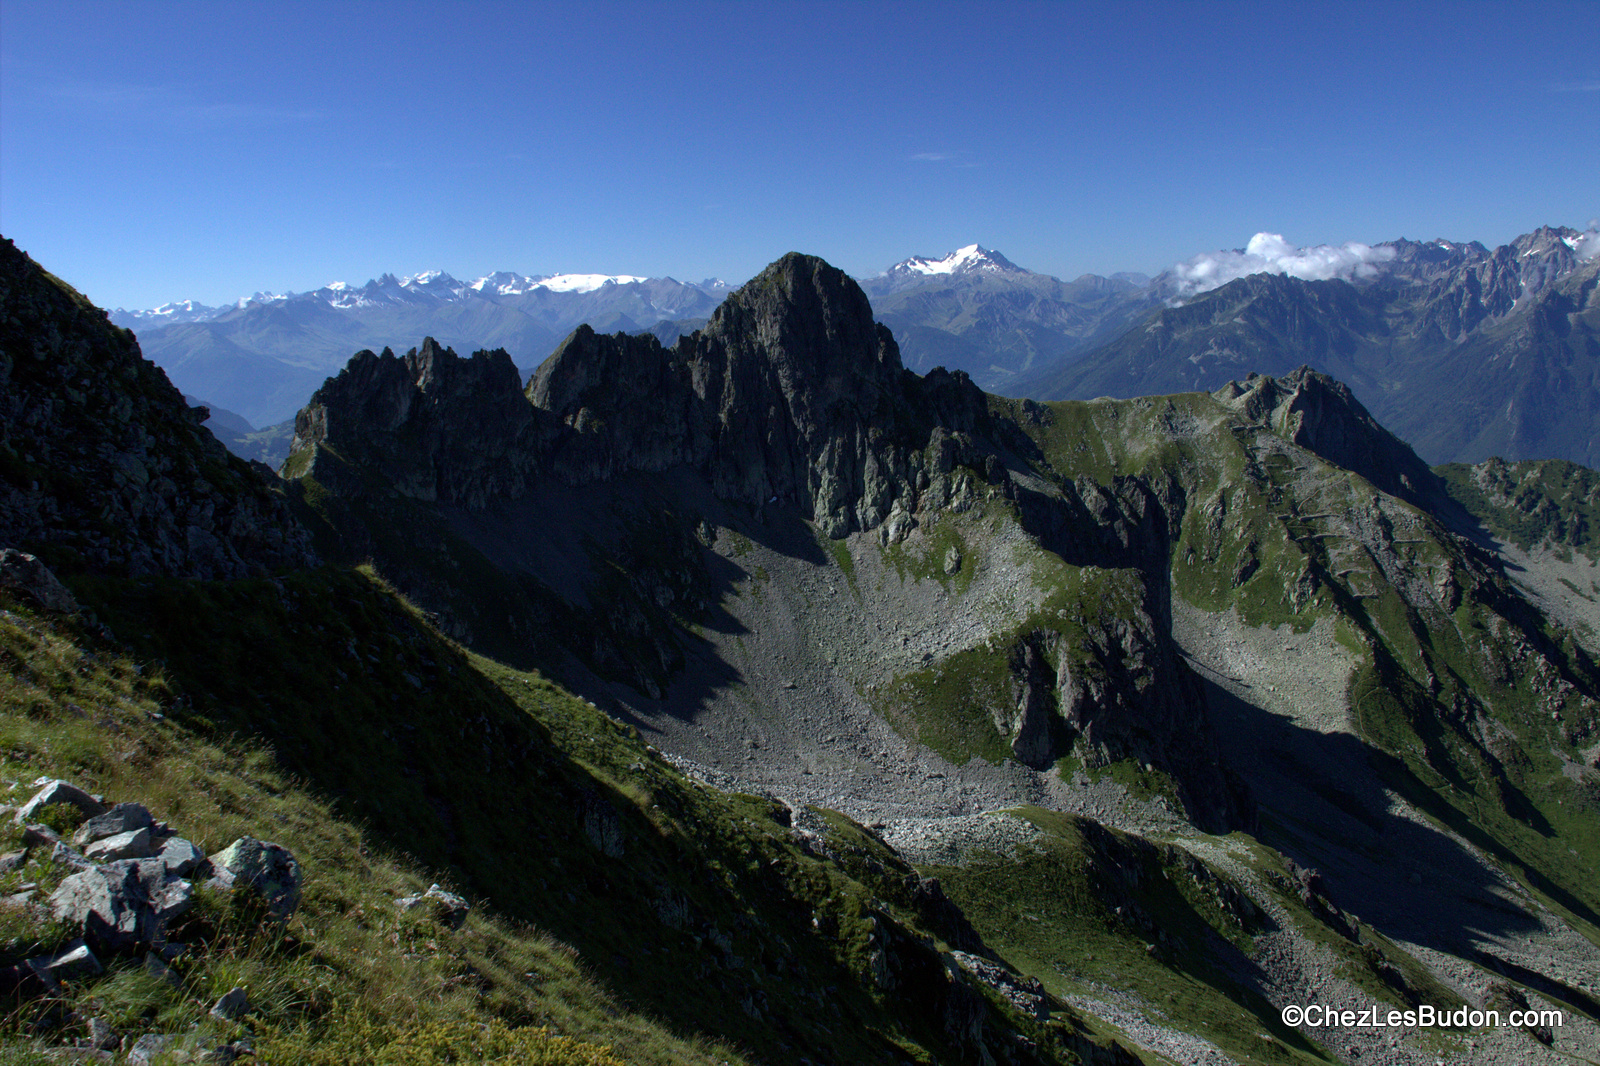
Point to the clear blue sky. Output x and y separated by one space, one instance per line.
153 151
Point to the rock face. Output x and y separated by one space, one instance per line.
791 391
26 574
102 464
431 425
1323 416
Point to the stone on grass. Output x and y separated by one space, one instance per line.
122 904
156 967
131 845
69 964
448 907
232 1006
102 1036
149 1047
181 856
26 574
58 791
268 870
123 818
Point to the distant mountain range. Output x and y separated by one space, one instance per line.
977 311
1464 351
264 355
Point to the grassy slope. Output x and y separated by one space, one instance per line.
1529 503
1254 499
321 711
1255 537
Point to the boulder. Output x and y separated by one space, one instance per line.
232 1006
70 963
62 855
57 791
123 818
268 870
132 845
448 907
181 856
26 574
122 904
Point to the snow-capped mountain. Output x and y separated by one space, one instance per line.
166 314
264 354
976 310
973 260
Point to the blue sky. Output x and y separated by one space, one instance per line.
154 151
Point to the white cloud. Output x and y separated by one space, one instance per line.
1586 245
1269 253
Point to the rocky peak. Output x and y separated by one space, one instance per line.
430 424
103 466
791 391
1321 415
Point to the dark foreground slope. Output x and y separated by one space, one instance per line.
616 902
1244 623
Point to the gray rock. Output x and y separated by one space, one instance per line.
189 1047
70 963
58 791
37 834
268 870
181 857
448 907
102 1036
147 1048
62 855
122 904
232 1006
131 845
1024 993
123 818
156 967
13 860
78 1055
26 574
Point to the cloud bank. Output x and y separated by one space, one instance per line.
1269 253
1586 245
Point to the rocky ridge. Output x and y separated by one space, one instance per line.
78 400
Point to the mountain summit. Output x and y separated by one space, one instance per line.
969 260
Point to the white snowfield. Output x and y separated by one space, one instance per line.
971 257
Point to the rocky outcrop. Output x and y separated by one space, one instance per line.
103 466
428 425
27 575
1323 416
792 392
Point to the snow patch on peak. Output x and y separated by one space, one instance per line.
961 261
585 282
1585 245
